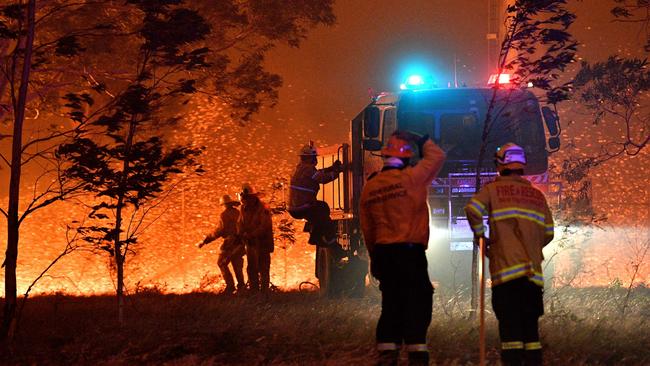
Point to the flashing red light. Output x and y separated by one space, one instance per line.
504 79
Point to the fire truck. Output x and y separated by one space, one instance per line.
454 119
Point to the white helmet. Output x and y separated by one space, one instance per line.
510 156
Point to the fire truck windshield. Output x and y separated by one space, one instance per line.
454 118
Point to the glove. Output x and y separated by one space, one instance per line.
338 166
422 140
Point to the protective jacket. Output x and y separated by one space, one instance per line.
305 184
256 225
227 229
520 226
394 202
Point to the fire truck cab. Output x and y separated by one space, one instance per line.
453 118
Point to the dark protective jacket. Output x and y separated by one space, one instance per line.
255 224
521 224
227 229
394 202
305 184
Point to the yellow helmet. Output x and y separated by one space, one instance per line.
510 156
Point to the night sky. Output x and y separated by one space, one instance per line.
376 43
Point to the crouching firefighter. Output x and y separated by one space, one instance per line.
520 226
232 250
303 204
395 224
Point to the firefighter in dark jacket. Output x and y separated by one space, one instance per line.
256 228
232 250
520 226
303 204
395 224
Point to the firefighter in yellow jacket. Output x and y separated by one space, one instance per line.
395 224
520 226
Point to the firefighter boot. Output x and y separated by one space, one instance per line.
512 357
533 357
419 358
388 358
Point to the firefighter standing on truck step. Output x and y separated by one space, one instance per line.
303 202
232 250
520 226
395 223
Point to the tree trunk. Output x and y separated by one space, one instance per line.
477 187
120 257
13 223
119 263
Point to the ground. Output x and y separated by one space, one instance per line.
581 326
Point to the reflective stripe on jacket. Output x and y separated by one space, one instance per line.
521 224
394 202
305 184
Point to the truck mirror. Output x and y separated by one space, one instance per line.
371 145
552 121
371 122
554 143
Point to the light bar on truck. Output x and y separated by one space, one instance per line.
415 82
504 79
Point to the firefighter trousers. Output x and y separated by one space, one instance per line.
518 304
258 268
406 296
323 229
237 261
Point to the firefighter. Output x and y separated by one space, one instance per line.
303 204
232 250
395 224
256 229
520 226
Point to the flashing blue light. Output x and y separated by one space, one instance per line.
415 80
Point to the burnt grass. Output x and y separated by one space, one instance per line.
581 327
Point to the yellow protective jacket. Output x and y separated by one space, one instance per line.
305 184
394 202
227 229
520 226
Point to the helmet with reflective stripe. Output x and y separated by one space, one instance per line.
510 156
397 147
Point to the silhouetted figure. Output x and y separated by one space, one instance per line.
232 250
303 202
256 228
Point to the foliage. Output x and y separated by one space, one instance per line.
537 34
119 154
617 91
634 11
303 329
